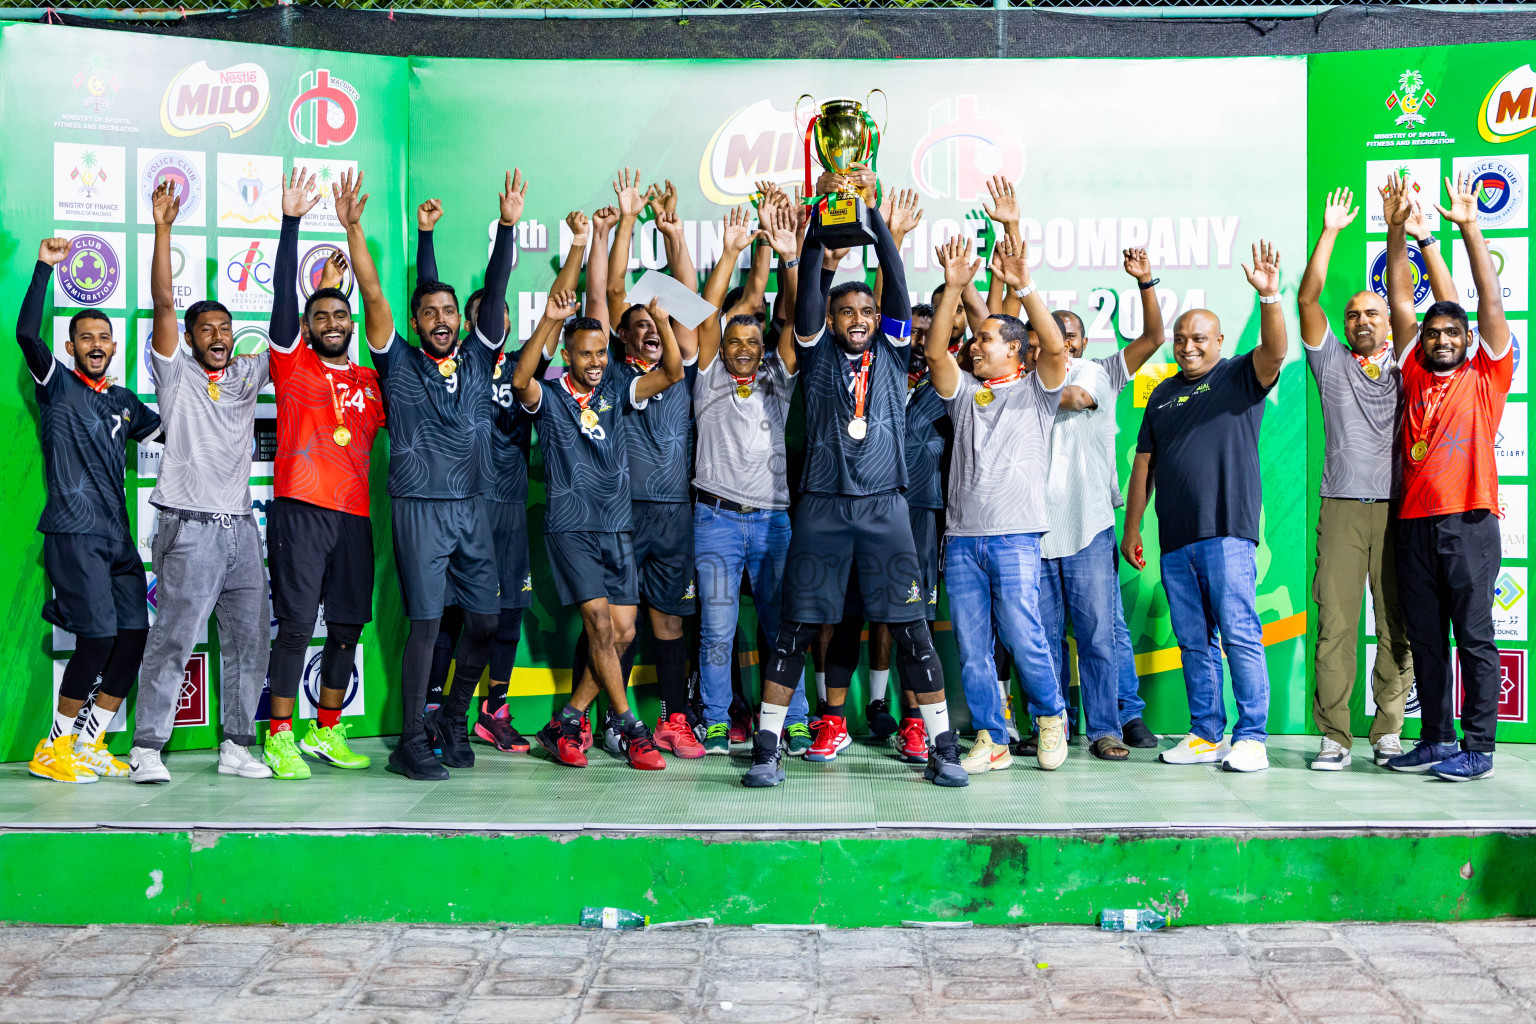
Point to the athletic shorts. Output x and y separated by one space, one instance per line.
664 555
319 556
509 529
445 554
925 539
99 585
587 565
831 534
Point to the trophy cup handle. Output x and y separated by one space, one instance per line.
801 126
885 121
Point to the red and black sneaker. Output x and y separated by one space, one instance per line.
563 741
831 738
675 735
743 720
912 742
497 730
641 750
586 730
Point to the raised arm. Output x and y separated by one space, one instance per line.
1491 325
167 328
603 220
427 216
779 222
1003 212
895 303
956 262
1338 213
811 303
1151 338
570 271
1264 275
901 214
1441 285
299 197
670 370
631 202
680 266
378 320
734 234
334 271
1010 258
29 325
525 384
1138 493
1400 305
490 317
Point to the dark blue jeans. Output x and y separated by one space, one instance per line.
1086 586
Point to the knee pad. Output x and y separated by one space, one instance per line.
346 634
794 638
917 661
294 636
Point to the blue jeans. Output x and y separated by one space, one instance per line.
1131 704
1086 586
725 545
995 581
1210 586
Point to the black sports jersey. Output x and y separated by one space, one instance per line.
513 434
659 437
835 462
586 472
927 432
84 432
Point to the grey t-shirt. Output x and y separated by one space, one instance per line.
206 466
1360 420
740 441
1001 453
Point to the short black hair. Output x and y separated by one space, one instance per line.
733 296
848 288
200 307
474 300
577 324
425 288
325 293
922 309
934 298
1451 309
87 314
1013 328
744 320
624 320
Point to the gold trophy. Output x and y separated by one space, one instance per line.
845 135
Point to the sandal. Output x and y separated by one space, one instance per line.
1108 748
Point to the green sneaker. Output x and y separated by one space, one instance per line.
799 739
717 739
282 756
330 746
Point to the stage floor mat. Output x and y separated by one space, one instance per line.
865 788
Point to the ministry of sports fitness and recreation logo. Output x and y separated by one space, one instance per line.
1500 189
966 144
92 271
1509 109
312 266
1411 98
325 111
184 175
199 98
97 83
1419 268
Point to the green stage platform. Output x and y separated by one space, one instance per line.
862 841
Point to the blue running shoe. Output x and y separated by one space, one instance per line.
1466 766
1423 757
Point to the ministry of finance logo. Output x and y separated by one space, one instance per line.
325 111
185 175
92 272
1407 98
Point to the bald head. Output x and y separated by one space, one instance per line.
1197 342
1367 323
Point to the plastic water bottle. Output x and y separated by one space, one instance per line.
612 918
1132 920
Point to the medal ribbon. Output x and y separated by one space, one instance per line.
439 360
98 386
336 401
742 382
581 399
861 385
1004 379
1380 358
639 364
1429 417
214 376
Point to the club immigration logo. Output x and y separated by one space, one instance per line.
325 111
186 179
966 144
756 142
1500 189
92 272
1420 274
1509 110
199 98
1406 98
312 266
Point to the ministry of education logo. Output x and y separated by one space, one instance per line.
92 272
186 179
1410 97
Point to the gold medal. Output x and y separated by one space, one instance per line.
213 390
743 391
1419 450
497 374
984 397
588 418
447 366
857 428
342 436
1373 371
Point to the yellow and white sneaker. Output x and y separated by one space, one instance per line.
56 762
1051 751
1194 750
986 756
95 757
1246 756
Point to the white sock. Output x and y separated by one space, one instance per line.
879 678
97 724
935 718
770 719
63 725
821 687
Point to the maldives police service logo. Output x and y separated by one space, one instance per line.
312 267
1420 274
1500 189
92 272
185 176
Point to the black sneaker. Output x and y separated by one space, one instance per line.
452 738
944 763
427 725
767 762
1029 746
881 725
1136 734
414 759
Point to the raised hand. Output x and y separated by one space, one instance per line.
560 306
165 204
1340 211
831 259
1264 275
349 205
578 223
627 189
671 226
1463 195
1005 205
1010 261
53 251
959 268
334 271
1417 223
604 218
768 192
299 193
1137 264
779 221
658 314
427 214
904 212
662 199
513 197
736 232
1395 205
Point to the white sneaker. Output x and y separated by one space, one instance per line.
1051 749
1332 757
236 760
1246 756
1194 750
144 765
1388 747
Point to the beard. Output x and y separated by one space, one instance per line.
327 349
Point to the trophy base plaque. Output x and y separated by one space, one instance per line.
844 224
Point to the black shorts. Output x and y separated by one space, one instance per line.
664 555
587 565
99 585
509 529
831 534
925 538
319 556
445 554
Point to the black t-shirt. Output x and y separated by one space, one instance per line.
659 436
928 431
1203 436
440 428
512 438
835 462
586 472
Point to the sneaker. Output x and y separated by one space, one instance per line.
831 739
1051 746
1386 748
55 761
674 735
1009 720
743 720
944 763
881 725
1136 734
1332 757
912 742
1423 757
640 750
144 765
1028 746
564 741
767 762
586 731
452 737
95 757
717 739
428 720
496 729
330 746
1194 750
1246 756
236 760
1466 766
414 759
986 756
798 735
613 739
281 755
